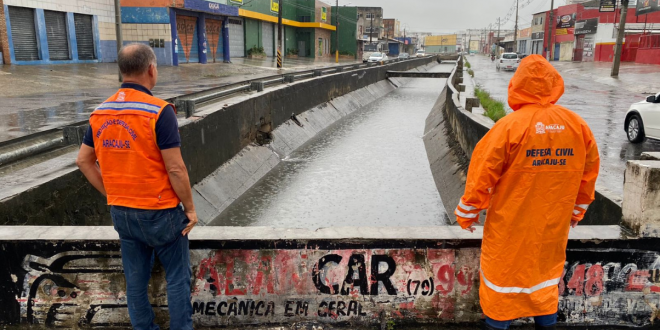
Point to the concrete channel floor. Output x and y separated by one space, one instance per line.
34 98
600 99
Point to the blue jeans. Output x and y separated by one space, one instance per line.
544 321
146 233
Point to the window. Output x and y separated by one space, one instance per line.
370 15
305 18
510 56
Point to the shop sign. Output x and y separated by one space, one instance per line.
589 26
607 6
647 6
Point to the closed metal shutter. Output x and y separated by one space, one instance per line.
23 33
188 46
58 40
236 38
267 38
84 36
214 38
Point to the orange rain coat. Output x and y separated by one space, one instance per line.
534 172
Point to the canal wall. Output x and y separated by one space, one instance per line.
452 133
56 193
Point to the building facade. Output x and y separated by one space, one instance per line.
441 44
392 28
524 40
348 31
580 32
57 31
370 23
538 33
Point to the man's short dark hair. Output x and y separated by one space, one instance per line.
134 59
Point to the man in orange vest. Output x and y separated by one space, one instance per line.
535 173
135 138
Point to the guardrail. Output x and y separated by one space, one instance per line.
189 103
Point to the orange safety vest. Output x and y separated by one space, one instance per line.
133 170
534 172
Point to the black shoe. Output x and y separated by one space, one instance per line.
540 327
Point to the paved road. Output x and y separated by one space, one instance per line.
40 97
601 100
368 170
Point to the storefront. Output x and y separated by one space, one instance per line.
537 43
201 31
41 35
585 39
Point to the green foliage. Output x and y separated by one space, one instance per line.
390 325
467 64
494 108
256 51
343 52
471 73
292 51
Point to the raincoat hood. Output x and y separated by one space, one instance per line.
535 82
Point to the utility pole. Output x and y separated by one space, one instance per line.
337 34
120 39
550 22
488 38
619 39
371 30
497 53
280 63
515 32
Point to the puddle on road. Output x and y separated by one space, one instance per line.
368 170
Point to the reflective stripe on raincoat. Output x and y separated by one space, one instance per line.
533 172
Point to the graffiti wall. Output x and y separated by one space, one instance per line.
78 285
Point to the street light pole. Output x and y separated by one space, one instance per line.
280 62
619 39
337 34
120 39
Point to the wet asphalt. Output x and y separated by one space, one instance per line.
368 170
600 99
35 98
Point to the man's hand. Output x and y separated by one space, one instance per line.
472 228
192 217
574 223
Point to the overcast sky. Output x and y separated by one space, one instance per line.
449 16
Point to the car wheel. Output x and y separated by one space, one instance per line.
635 129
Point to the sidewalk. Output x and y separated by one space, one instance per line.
40 97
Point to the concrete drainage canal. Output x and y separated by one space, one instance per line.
319 210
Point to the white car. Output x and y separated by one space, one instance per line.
643 120
420 53
377 57
508 61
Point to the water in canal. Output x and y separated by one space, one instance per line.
368 170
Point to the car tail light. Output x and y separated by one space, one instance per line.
501 61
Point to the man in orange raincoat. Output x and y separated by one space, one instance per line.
535 174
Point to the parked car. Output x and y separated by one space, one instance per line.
377 57
420 53
404 56
508 61
643 120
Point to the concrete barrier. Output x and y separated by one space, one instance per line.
72 277
450 125
56 193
